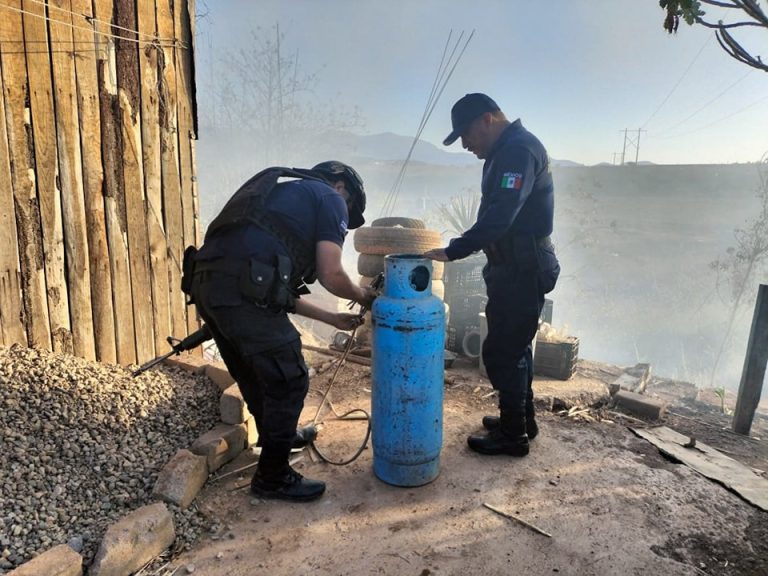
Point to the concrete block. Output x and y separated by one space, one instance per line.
218 373
221 444
58 561
640 405
181 478
133 541
232 406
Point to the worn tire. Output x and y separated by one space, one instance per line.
391 221
372 264
379 240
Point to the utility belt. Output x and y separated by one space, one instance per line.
265 285
519 250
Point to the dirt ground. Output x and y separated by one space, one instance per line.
610 501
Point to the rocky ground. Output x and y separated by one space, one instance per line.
82 444
610 501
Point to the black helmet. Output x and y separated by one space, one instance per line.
332 170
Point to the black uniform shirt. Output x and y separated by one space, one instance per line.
517 193
312 210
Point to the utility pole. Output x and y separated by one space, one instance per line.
633 142
637 148
624 150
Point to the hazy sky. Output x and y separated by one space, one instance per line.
577 72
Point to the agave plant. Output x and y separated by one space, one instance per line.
461 212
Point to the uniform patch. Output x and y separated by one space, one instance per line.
512 180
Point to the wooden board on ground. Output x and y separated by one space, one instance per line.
710 463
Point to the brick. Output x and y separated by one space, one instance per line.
181 478
58 561
134 540
232 406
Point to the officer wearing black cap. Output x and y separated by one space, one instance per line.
513 228
282 229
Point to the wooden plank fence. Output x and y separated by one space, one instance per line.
97 182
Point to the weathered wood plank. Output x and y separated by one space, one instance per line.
18 125
93 182
186 94
169 151
11 325
710 463
150 55
114 193
47 175
71 180
129 92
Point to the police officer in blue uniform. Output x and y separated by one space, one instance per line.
272 238
513 228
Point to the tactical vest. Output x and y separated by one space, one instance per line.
248 206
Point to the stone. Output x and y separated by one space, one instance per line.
181 479
134 540
232 406
221 444
58 561
217 372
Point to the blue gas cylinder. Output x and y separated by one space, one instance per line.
407 374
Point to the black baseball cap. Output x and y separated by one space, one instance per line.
465 111
333 170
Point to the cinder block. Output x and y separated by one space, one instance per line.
181 478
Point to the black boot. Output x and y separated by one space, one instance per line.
531 429
288 485
508 437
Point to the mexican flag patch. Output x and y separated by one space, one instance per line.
512 180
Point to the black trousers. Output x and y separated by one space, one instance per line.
515 299
262 352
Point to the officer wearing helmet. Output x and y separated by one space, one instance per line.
280 231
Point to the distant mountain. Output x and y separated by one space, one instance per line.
387 147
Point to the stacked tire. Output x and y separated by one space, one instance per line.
394 235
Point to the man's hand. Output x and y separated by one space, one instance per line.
346 321
437 254
367 296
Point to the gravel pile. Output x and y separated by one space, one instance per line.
81 445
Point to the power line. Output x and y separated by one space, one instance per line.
708 103
90 18
93 30
682 76
441 80
739 111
